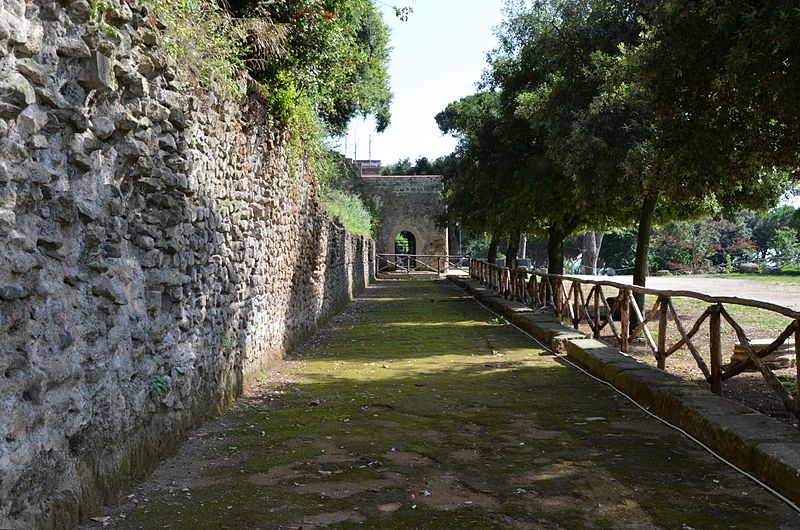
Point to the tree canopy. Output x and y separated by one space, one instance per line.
636 111
336 57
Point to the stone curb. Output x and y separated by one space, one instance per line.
756 443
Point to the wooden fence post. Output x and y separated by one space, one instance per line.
796 358
624 320
557 301
715 345
662 333
576 316
597 312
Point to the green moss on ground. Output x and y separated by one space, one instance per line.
416 410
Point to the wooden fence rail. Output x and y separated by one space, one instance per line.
419 262
566 297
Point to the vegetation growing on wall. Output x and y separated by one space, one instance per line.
318 64
350 210
207 42
336 56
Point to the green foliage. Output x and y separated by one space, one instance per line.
97 15
159 387
515 137
487 180
402 12
785 246
350 210
422 166
789 383
208 43
683 246
336 57
476 245
227 343
401 244
401 167
765 225
619 250
626 112
345 195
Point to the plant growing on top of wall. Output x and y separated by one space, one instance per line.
317 64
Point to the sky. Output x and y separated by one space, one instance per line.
438 57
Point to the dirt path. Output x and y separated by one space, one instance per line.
417 409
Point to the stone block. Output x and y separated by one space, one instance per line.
98 72
16 93
748 268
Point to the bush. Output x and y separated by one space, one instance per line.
349 210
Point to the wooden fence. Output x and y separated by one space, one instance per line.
565 296
418 262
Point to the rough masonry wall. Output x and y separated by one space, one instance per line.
409 203
156 252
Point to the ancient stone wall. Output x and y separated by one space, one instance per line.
409 204
156 252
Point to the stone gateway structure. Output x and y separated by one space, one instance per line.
409 204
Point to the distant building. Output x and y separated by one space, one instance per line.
369 167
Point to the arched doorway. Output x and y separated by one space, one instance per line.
405 244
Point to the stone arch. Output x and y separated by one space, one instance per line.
413 242
419 239
408 203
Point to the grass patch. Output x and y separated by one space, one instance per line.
349 210
763 278
790 383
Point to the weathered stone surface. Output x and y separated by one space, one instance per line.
16 93
12 292
147 239
98 73
782 357
409 204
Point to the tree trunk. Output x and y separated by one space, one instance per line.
491 256
640 265
511 252
523 246
592 241
555 251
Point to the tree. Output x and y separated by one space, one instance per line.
484 189
336 58
717 84
590 251
545 70
401 167
619 250
422 166
734 238
785 246
766 224
684 245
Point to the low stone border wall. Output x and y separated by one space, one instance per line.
758 444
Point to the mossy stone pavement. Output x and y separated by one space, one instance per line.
416 408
